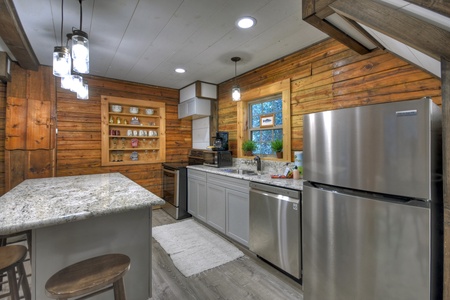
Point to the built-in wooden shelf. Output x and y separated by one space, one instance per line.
118 132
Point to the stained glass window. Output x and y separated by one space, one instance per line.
263 136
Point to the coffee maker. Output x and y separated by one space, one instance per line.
220 142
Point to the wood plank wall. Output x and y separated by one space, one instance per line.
79 130
329 76
2 136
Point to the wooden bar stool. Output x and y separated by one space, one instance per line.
12 257
90 277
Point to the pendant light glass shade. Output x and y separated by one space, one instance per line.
80 52
236 93
77 83
61 61
66 82
83 92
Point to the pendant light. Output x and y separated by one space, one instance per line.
80 47
235 91
78 57
61 54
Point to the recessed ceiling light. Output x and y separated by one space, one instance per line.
180 70
246 22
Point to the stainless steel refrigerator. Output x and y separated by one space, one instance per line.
372 204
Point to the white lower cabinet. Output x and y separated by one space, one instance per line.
228 206
197 194
215 206
220 201
238 215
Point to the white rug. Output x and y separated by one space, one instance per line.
193 248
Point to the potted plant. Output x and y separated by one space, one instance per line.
277 147
248 146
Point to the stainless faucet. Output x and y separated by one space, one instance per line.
258 163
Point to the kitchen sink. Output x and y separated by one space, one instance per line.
239 171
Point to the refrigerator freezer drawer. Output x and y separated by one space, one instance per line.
360 248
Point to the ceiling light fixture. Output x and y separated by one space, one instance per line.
61 55
246 22
78 57
180 70
235 91
80 47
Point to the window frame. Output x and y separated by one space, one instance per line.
281 87
262 127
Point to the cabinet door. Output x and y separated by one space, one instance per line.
238 216
201 201
215 206
193 196
197 198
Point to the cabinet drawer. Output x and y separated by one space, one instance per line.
236 184
199 175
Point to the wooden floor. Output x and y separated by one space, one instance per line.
245 278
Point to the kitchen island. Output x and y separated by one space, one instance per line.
76 217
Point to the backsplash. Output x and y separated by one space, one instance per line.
267 166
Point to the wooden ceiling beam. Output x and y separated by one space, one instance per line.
12 33
335 33
314 12
439 6
413 32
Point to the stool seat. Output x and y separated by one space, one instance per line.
89 276
12 257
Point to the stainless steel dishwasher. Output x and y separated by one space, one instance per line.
275 220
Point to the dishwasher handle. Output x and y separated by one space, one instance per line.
257 195
275 190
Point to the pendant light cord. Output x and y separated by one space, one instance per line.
62 21
81 15
235 72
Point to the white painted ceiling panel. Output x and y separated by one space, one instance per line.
144 40
409 54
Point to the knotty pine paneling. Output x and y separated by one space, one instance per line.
79 130
326 76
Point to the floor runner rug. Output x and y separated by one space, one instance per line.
194 248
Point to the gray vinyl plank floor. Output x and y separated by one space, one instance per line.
245 278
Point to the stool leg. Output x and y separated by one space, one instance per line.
28 234
119 290
23 281
13 289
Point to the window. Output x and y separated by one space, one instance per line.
244 123
271 110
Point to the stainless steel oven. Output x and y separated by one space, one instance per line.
174 178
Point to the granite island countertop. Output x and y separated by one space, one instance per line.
36 203
261 178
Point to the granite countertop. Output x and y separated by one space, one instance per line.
263 178
43 202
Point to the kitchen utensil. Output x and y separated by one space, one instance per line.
134 110
149 111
